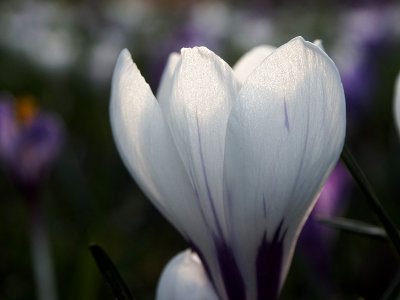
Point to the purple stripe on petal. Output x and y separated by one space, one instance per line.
233 281
198 201
206 180
286 116
269 265
229 270
264 207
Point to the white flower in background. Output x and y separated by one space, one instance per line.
248 29
102 55
128 16
397 102
235 159
40 31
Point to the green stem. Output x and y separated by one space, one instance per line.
366 188
41 259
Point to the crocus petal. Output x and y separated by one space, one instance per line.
146 147
184 277
284 136
250 60
197 112
319 44
148 151
164 89
397 102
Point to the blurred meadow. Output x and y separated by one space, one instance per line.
61 55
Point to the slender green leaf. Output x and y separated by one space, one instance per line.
366 188
354 226
393 292
110 273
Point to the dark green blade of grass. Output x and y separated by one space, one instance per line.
371 198
110 273
354 226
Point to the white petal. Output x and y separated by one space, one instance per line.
164 89
250 60
146 146
184 277
397 102
147 149
319 44
284 136
197 112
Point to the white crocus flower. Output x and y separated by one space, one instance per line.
397 102
184 277
234 161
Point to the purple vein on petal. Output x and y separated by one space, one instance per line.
302 161
209 196
264 207
286 115
193 245
233 280
269 265
198 202
230 273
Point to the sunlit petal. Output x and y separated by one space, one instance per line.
197 112
250 60
284 136
164 90
147 149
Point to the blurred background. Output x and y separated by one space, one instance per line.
57 58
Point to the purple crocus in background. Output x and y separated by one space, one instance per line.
234 162
316 239
396 102
368 34
30 142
